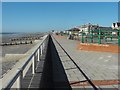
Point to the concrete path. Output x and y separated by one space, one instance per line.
96 65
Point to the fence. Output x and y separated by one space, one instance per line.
101 35
16 81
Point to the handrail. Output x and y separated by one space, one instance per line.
13 80
20 70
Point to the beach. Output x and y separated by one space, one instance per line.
13 53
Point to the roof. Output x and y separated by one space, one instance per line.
118 24
106 28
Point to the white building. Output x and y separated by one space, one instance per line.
87 27
116 25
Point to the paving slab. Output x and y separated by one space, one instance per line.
96 65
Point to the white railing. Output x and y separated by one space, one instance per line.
16 80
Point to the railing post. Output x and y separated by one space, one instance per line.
33 65
0 84
91 36
43 45
38 53
118 37
105 38
82 37
18 82
111 36
41 50
19 79
99 37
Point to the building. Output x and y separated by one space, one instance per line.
116 25
87 27
72 31
67 31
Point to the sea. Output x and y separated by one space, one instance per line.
5 37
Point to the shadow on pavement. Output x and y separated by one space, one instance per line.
54 75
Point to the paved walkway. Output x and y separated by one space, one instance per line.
34 81
59 71
96 65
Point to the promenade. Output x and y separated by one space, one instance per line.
100 67
57 63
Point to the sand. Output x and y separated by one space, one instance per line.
11 54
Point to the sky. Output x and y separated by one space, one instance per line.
47 16
60 0
0 17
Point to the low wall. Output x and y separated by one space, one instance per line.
98 48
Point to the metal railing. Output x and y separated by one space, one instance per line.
16 81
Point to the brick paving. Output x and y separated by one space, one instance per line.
96 65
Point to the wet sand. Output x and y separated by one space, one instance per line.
16 49
7 61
